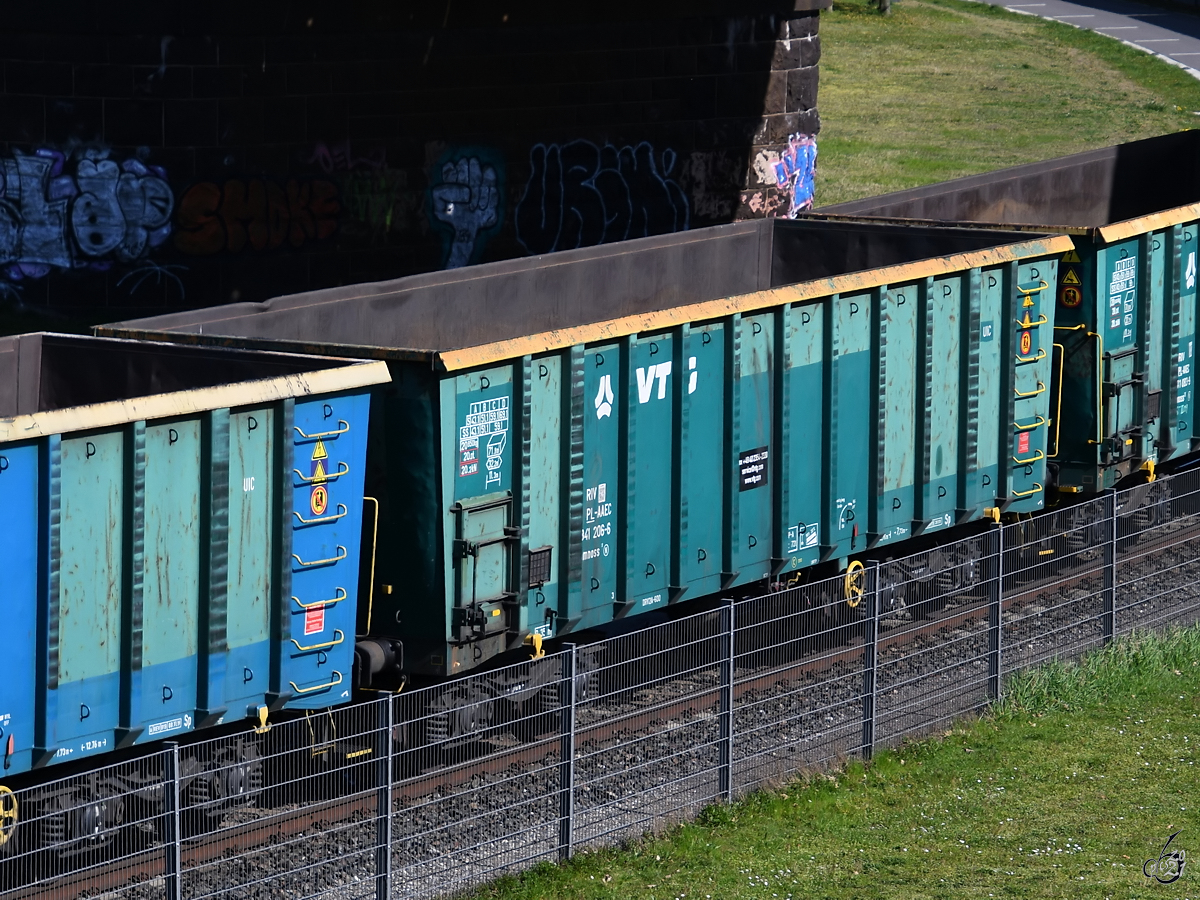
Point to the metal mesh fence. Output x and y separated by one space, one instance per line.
1157 567
478 776
434 791
648 729
798 682
1057 584
933 637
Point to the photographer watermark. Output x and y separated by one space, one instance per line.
1169 865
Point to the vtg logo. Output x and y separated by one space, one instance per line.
646 378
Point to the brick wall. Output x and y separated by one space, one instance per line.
205 155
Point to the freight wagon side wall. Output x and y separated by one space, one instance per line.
614 478
1126 297
176 570
1125 336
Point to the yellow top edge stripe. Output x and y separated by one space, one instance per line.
179 403
471 357
1119 231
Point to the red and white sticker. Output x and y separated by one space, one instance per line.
314 620
1023 442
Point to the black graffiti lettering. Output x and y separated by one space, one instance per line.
580 195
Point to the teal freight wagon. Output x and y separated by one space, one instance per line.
181 538
1125 297
576 438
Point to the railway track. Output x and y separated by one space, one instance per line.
427 772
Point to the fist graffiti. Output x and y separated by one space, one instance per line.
467 200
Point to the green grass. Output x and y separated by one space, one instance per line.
1076 779
941 89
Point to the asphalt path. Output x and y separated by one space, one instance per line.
1172 36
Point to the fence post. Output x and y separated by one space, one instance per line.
566 754
383 800
725 749
1110 571
173 864
996 619
870 658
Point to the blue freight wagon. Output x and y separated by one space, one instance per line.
576 438
181 538
1125 298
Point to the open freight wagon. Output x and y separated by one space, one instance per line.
1125 297
162 552
576 438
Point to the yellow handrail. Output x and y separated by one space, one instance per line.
341 595
1038 424
319 687
318 521
345 426
343 469
333 643
321 562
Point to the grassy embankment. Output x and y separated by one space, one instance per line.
940 89
1063 792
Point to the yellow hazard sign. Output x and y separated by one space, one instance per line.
1071 256
319 450
318 472
1028 303
1070 277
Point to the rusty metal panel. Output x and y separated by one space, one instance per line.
512 300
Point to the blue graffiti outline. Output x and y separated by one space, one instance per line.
159 272
87 218
603 194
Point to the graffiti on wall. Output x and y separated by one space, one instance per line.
580 195
375 198
796 172
255 214
789 176
84 211
341 157
466 201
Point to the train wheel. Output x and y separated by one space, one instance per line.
9 818
458 713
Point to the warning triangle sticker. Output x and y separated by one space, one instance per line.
1028 303
318 474
1071 256
1070 277
319 450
